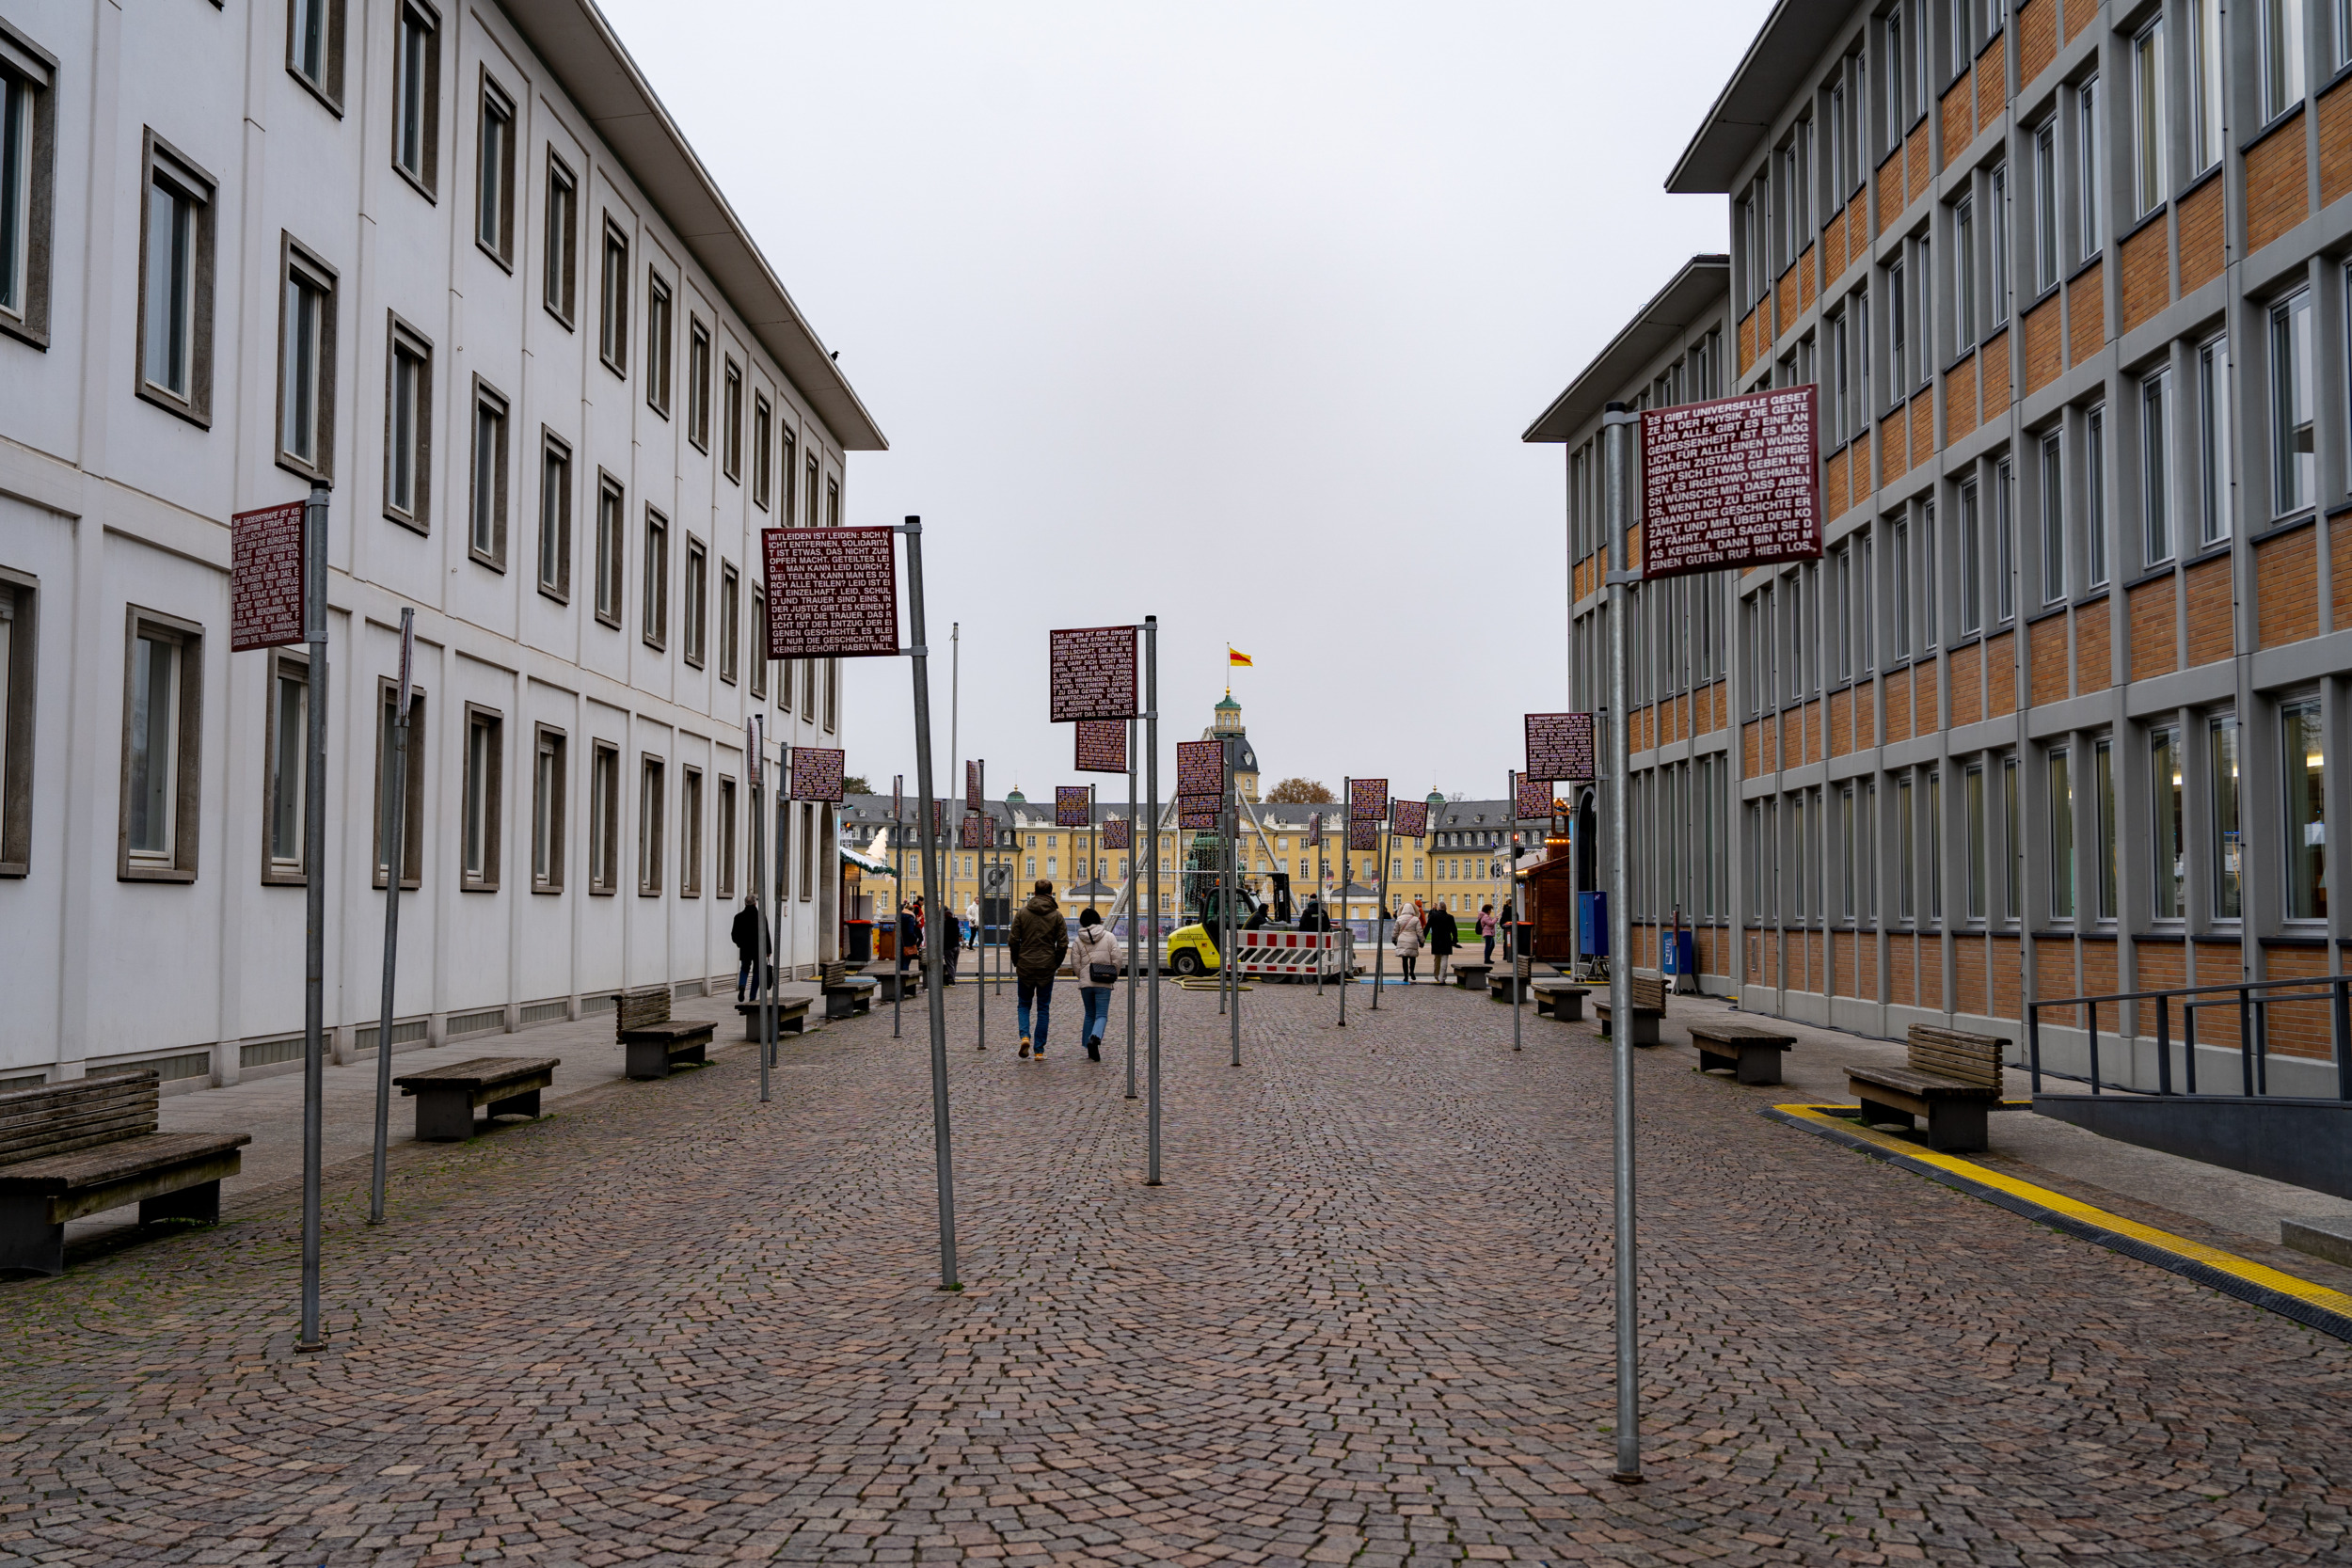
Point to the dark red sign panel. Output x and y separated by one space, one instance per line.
1408 819
1535 799
1366 799
1115 833
974 833
1201 769
816 774
1102 745
1092 672
266 578
1072 805
1364 832
1199 811
1559 745
1736 481
832 592
972 801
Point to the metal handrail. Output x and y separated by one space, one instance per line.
2252 1035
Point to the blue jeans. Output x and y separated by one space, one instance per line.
1098 1005
1026 987
744 978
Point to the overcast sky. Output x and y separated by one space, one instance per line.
1231 314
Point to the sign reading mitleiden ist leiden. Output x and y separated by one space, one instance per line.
1736 481
832 592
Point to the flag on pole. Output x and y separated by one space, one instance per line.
1236 658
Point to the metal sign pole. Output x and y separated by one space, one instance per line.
762 953
1615 422
395 831
1151 782
1518 987
314 936
1348 848
979 926
775 868
898 897
1233 887
930 841
1380 913
1135 908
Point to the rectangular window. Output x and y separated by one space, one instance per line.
758 649
417 96
1964 274
1935 845
1973 783
305 367
2281 63
486 755
2089 186
560 287
162 732
784 507
555 516
655 613
2061 835
2228 842
2167 861
604 819
1997 247
1902 590
697 382
2102 782
286 761
485 537
1898 333
650 848
612 312
810 490
832 503
2045 207
2303 769
18 595
494 175
2213 441
2052 521
2005 541
2095 494
1931 598
763 450
175 287
609 512
2012 847
722 852
1897 77
690 833
548 780
730 621
731 422
2292 460
657 344
412 811
697 599
27 143
1907 851
408 425
832 694
2155 465
1971 562
2205 143
2150 129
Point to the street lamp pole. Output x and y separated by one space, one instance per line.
1614 422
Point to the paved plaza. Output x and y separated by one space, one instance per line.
1365 1320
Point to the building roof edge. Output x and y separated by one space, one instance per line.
1667 312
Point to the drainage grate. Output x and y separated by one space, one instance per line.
600 1001
402 1032
483 1022
683 989
545 1012
35 1081
263 1052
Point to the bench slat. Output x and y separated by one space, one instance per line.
1925 1086
118 1161
483 1072
1740 1034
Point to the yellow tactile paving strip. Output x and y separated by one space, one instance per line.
2314 1306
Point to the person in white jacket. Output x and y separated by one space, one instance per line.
1095 946
1409 937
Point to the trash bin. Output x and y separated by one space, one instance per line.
1592 924
861 941
1675 952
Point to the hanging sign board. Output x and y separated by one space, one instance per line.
1198 812
266 578
832 592
1735 481
1364 832
751 747
1201 769
1559 745
1408 819
1534 803
408 661
816 774
1366 798
972 801
974 834
1102 745
1071 806
897 796
1115 833
1092 672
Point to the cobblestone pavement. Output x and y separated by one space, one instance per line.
1366 1322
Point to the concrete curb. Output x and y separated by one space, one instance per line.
2313 1306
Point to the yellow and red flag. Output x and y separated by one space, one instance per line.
1236 658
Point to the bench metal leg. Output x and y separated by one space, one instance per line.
516 1105
648 1059
444 1115
28 1243
1760 1067
200 1202
1957 1126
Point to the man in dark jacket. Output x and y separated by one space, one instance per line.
909 937
950 938
1312 916
1444 937
749 928
1039 938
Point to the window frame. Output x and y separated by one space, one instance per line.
2288 321
730 620
2225 816
494 229
178 863
697 382
2215 464
2095 574
2151 131
19 659
661 323
757 649
327 87
560 219
731 419
2158 545
487 402
162 164
2058 773
555 452
277 870
763 450
482 794
2165 742
401 337
423 20
613 285
33 72
301 269
724 838
694 607
654 603
604 817
2294 707
652 807
547 807
689 833
612 549
2279 68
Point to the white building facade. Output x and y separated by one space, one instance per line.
458 263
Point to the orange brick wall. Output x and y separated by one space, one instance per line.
2007 966
1888 190
1834 249
1893 448
1928 975
2335 144
1750 736
1960 400
1923 676
1785 300
1857 230
1865 700
1808 286
2340 564
1747 341
1957 121
2163 966
2000 674
2211 633
1841 723
2286 589
1811 746
2053 973
1992 375
1899 706
2043 359
2201 235
1922 427
1833 485
1991 73
2086 314
2079 14
2276 198
1860 474
2046 646
2092 669
1915 158
2037 39
1902 982
2217 964
2154 608
2146 275
1968 976
2098 961
1968 685
2297 1029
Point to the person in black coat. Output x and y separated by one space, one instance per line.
950 938
1444 937
749 928
909 937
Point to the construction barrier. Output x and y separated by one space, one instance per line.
1301 954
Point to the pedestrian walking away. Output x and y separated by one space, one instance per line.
1040 941
1095 956
1444 937
1486 932
950 939
749 924
1409 937
910 936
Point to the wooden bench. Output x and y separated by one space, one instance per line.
1560 999
68 1150
1472 976
1752 1055
1953 1079
1499 978
446 1097
791 1016
1647 992
653 1041
846 995
890 985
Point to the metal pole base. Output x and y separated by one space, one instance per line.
319 1343
1627 1479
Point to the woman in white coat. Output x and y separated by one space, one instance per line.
1409 937
1095 958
